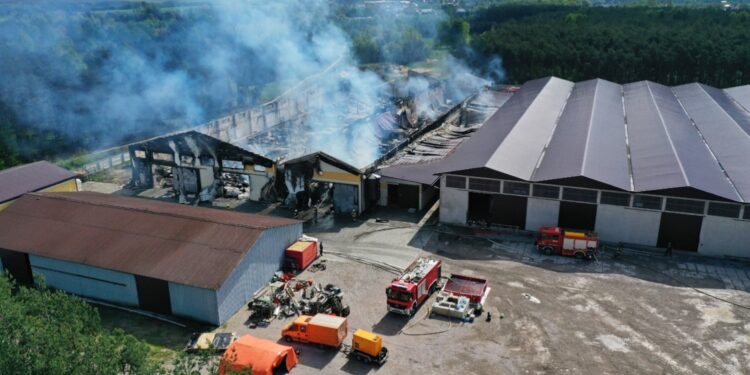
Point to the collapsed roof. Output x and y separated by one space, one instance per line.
199 145
183 244
421 159
636 137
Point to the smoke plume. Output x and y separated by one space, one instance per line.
104 77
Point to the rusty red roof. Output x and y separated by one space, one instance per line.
183 244
22 179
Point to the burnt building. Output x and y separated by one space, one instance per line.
640 163
408 179
318 177
196 163
199 263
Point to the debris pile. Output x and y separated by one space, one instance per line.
286 296
235 185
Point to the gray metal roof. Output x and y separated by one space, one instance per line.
477 151
724 126
741 94
590 137
637 137
36 176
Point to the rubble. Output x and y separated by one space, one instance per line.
286 296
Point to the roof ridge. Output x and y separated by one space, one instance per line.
708 146
591 124
543 153
16 167
666 131
70 198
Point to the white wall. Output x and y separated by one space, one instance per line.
725 236
454 204
628 225
383 201
541 212
257 182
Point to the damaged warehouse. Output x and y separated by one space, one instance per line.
201 167
199 263
408 178
320 178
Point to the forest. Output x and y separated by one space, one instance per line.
669 45
118 50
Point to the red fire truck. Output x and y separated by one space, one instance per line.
411 289
556 240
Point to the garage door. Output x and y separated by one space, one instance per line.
508 210
345 198
408 196
153 295
479 207
17 264
683 231
577 215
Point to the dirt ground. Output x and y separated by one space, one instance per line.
641 313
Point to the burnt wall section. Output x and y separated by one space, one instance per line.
196 164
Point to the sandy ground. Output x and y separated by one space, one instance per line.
639 314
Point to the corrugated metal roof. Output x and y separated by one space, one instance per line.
741 94
529 137
22 179
590 138
422 159
182 244
637 137
479 149
724 126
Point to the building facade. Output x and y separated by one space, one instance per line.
640 163
197 263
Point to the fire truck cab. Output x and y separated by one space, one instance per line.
556 240
414 286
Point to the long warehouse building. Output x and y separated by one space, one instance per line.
639 163
199 263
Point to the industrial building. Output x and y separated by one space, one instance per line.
38 176
408 179
197 163
639 163
199 263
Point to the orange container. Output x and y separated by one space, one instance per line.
303 253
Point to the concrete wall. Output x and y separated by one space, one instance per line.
454 204
541 212
87 281
725 236
383 201
194 303
255 269
629 225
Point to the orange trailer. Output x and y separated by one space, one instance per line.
321 329
300 255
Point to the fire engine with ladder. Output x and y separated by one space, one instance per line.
409 291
